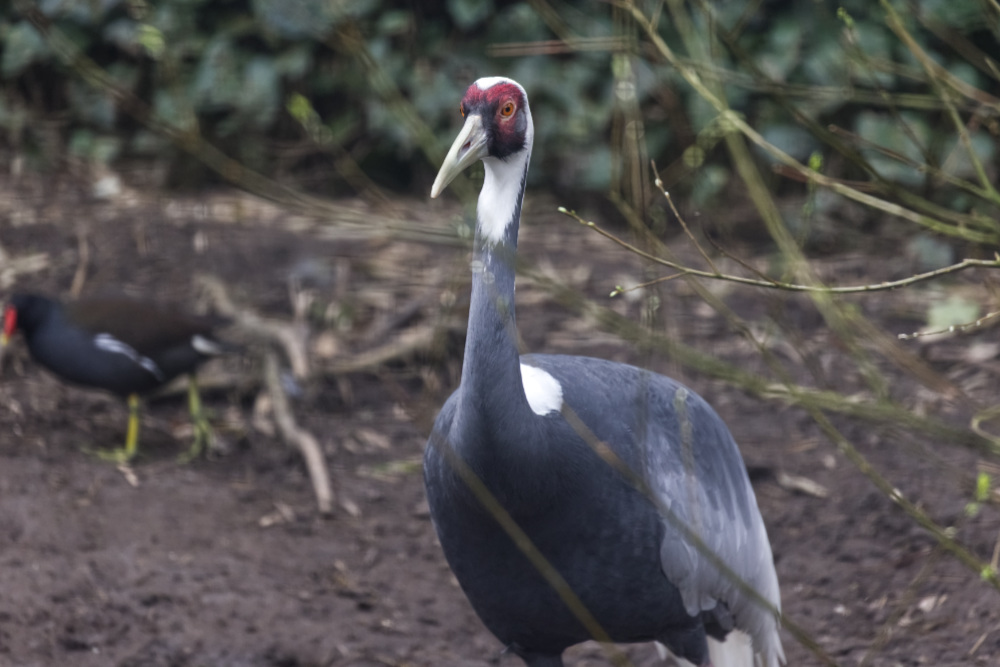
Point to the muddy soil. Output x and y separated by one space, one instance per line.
226 562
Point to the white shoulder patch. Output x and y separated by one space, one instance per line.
109 343
544 393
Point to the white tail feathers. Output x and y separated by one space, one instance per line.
735 651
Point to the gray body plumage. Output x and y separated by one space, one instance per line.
610 542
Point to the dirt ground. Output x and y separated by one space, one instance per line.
226 562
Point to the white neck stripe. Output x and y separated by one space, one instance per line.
500 196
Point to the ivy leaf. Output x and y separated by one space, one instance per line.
294 63
216 83
930 252
151 39
175 109
888 132
469 13
395 22
295 18
300 108
22 46
94 147
791 139
954 311
983 484
259 97
95 106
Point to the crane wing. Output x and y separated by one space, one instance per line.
715 546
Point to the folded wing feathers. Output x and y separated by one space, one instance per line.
207 346
109 343
728 524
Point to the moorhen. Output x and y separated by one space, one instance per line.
119 344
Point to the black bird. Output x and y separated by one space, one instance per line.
538 432
122 345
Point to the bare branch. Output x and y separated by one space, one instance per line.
12 267
659 184
294 435
790 287
942 221
291 336
955 328
405 344
83 261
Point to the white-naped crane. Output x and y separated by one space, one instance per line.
660 540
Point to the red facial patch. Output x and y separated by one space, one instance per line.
504 111
491 100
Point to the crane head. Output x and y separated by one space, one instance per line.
497 125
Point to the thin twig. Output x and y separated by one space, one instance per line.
939 77
791 287
404 345
860 406
934 172
291 336
83 261
958 225
985 571
976 423
954 328
555 46
934 70
656 281
12 267
658 182
294 435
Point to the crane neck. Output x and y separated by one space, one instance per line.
493 400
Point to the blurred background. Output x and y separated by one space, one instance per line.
277 156
334 97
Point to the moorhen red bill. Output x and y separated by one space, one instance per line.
122 345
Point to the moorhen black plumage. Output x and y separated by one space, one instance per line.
122 345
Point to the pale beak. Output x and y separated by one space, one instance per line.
469 146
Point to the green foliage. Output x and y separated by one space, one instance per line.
229 70
22 45
468 14
905 136
951 312
151 40
981 494
983 486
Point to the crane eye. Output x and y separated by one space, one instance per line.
508 110
461 110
